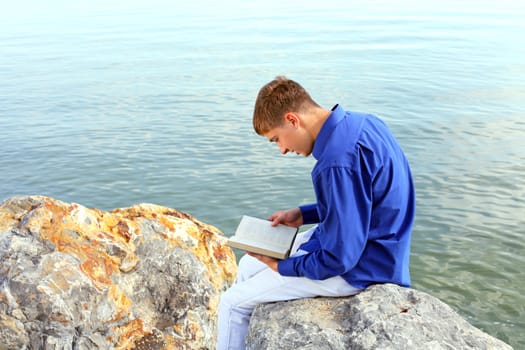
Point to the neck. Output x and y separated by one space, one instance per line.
315 121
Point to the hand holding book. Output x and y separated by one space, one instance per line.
268 260
291 217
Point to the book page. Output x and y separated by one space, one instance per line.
262 232
259 236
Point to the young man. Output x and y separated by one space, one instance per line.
364 210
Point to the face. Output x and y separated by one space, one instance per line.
291 137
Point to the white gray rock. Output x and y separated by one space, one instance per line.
381 317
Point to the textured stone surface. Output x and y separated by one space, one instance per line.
381 317
144 277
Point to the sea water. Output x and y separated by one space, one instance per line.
110 104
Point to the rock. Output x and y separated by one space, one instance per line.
381 317
144 277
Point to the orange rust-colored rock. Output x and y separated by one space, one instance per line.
140 275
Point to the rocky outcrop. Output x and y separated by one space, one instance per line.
381 317
144 277
150 277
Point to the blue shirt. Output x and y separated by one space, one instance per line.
365 205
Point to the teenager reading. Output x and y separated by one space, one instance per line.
364 209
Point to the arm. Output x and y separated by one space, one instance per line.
346 206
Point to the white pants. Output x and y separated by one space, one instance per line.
256 284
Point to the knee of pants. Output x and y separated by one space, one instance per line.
249 266
230 301
244 261
242 273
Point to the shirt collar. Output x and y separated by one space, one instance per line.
333 119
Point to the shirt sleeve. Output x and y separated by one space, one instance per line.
343 231
310 213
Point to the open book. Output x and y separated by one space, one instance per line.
259 236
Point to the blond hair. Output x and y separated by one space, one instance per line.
275 99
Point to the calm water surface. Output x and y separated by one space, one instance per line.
110 105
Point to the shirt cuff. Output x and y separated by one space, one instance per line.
286 267
310 214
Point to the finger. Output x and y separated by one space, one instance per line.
274 217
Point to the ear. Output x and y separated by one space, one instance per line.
293 119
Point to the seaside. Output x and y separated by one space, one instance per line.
110 105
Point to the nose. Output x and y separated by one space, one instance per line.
283 150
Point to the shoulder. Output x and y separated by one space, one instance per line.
354 142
